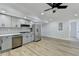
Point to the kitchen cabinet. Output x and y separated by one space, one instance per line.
31 37
15 22
13 41
27 37
6 43
5 21
8 21
22 21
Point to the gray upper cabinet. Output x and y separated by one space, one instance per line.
16 22
8 21
5 21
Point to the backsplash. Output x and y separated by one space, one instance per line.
10 30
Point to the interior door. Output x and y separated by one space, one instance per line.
73 30
77 30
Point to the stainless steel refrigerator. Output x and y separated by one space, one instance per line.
37 32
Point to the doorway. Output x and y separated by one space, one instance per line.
73 29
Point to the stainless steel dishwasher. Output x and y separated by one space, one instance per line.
16 41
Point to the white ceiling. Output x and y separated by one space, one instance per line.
35 10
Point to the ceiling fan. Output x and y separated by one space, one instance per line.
56 5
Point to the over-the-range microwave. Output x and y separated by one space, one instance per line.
25 25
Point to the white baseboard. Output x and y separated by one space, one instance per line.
68 39
56 37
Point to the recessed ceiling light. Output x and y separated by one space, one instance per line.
3 11
42 13
76 15
25 17
46 21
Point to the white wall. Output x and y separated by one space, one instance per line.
51 30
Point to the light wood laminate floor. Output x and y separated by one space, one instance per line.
45 47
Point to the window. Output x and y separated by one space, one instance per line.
60 26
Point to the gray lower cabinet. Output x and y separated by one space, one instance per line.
27 37
6 43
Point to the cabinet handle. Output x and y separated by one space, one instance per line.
1 41
6 37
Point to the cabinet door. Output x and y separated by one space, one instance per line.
22 21
27 38
15 22
7 43
30 37
5 21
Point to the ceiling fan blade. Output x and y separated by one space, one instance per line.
48 9
50 4
59 3
62 7
56 4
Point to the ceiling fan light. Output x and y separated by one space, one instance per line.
25 17
54 11
76 15
3 11
42 13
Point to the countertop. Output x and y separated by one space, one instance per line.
1 35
